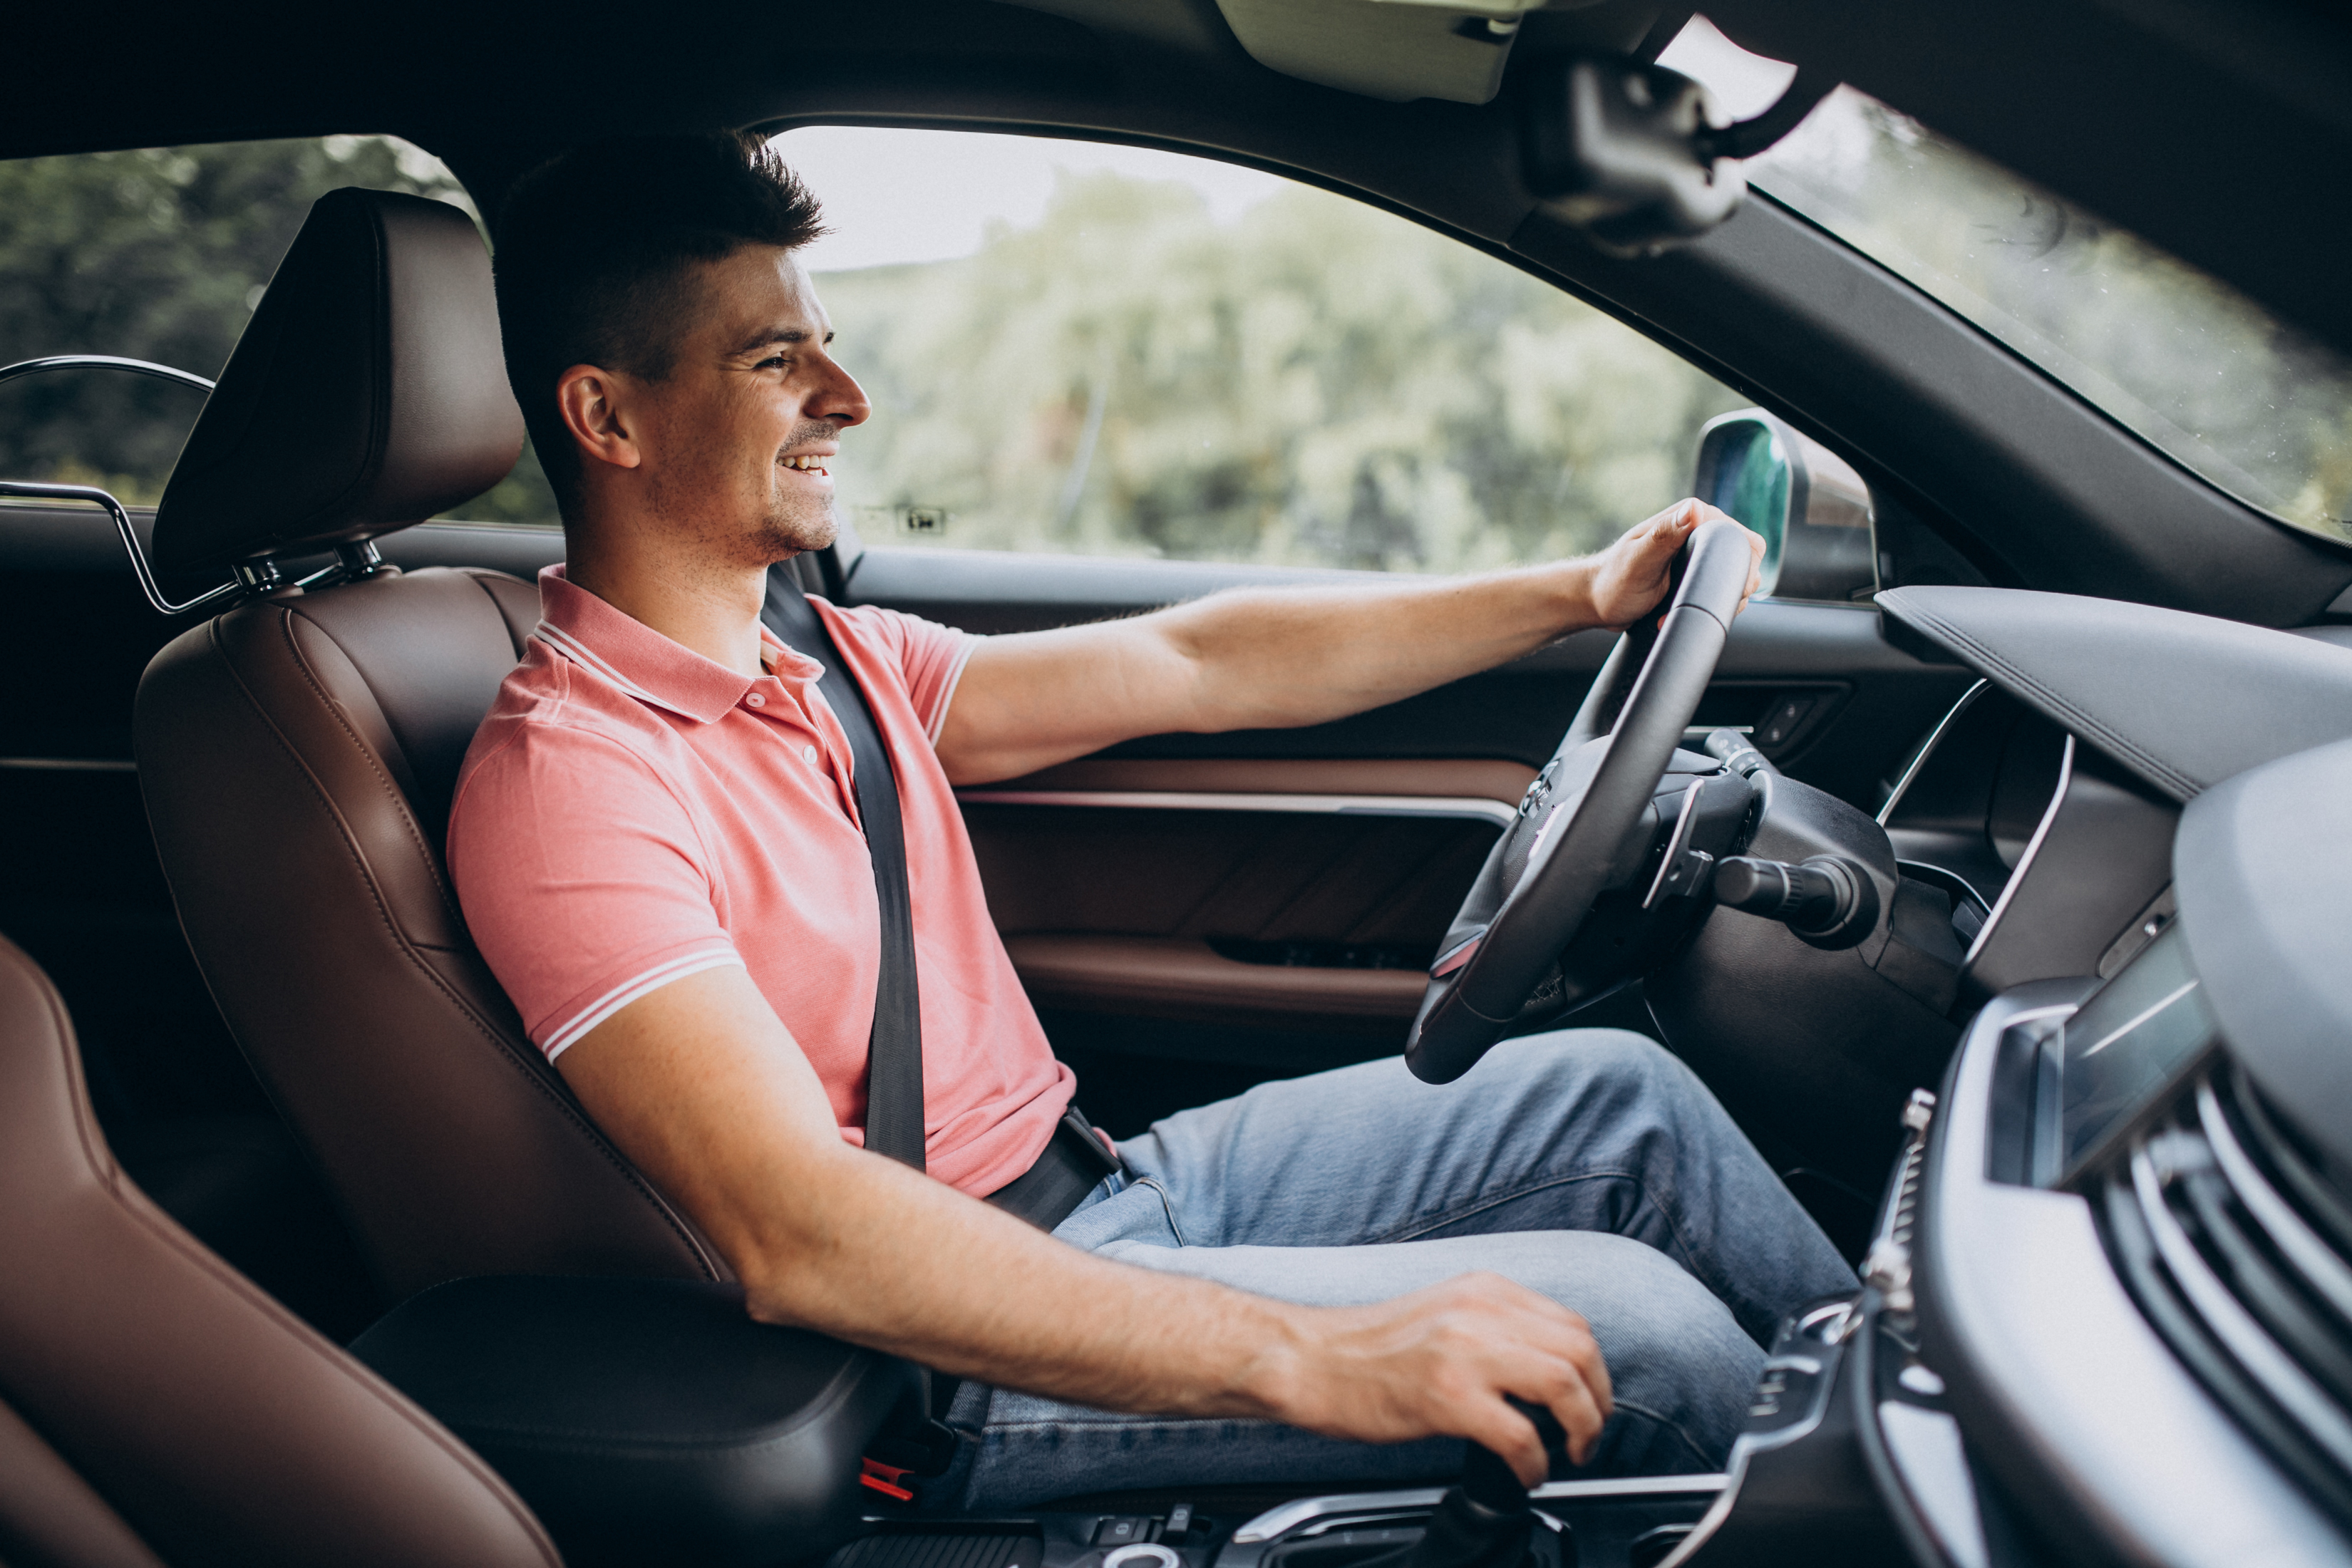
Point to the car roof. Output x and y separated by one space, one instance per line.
2215 128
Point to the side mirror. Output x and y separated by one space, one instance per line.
1813 508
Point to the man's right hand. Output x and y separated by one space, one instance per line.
1442 1361
707 1092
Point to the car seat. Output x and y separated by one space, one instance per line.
297 756
156 1406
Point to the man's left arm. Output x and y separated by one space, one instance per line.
1277 657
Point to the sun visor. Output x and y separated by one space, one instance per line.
368 393
1394 49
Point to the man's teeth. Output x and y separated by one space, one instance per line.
813 465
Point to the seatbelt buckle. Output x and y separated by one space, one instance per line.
876 1476
1094 1141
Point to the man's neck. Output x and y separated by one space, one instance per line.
710 608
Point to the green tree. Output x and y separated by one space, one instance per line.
1318 382
2177 356
161 254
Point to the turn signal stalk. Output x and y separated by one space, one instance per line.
1827 900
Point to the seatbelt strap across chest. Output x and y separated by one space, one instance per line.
893 1060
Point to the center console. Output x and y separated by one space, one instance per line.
1640 1521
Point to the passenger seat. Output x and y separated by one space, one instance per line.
156 1407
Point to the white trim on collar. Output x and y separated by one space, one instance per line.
573 649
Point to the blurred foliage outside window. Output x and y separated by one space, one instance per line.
2177 356
1309 382
161 253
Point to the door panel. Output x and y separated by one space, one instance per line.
1863 700
1299 893
1173 978
1179 949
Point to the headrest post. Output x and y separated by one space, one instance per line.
258 579
359 562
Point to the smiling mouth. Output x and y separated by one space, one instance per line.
809 465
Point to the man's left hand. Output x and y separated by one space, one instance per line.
1630 578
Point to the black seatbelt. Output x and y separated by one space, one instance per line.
894 1051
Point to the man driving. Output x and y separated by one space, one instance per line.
658 844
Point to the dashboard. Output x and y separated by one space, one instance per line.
2106 1314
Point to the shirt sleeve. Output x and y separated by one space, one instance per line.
584 879
931 656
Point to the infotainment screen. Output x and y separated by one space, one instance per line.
2130 1039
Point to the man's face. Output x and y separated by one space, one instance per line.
746 424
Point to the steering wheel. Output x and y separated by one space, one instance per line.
1543 874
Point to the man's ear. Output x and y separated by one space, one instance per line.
596 406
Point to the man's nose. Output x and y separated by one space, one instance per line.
841 399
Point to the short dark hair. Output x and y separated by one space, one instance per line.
593 247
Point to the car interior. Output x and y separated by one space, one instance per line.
1982 866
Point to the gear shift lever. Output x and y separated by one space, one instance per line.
1483 1519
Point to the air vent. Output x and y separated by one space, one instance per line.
2235 1243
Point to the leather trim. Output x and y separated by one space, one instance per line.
1478 777
517 602
314 899
1173 978
220 1427
50 1515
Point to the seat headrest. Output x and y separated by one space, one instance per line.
368 392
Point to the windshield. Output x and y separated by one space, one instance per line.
2179 357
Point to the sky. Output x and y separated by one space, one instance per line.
1745 85
893 195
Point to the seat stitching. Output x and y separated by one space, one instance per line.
113 1182
480 576
531 1071
393 790
193 1252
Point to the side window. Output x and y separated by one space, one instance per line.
1107 350
160 255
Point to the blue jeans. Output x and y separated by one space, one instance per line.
1588 1164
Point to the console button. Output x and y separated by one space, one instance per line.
1782 721
1143 1554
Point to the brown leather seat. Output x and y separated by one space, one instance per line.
156 1406
298 754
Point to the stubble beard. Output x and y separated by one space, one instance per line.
795 524
792 527
787 525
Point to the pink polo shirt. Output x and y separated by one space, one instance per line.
631 812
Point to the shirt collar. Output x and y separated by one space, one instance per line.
646 665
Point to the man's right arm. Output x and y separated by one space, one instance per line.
702 1085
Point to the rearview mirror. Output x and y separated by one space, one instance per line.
1813 508
1616 149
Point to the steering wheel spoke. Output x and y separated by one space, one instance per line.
1577 841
